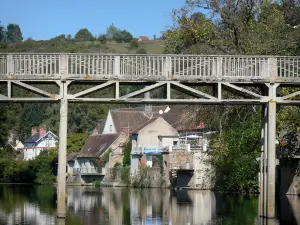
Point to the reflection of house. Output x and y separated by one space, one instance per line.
40 140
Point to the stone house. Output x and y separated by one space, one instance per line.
39 141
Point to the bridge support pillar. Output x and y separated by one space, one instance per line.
62 154
267 181
271 159
263 163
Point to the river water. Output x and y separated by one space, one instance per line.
27 204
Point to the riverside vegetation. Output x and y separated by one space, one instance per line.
245 27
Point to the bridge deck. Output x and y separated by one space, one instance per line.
149 67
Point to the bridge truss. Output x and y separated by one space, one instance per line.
170 79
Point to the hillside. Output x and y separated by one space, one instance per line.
70 45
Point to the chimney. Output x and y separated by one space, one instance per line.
125 130
33 131
42 131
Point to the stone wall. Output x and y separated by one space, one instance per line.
290 177
204 172
193 168
115 158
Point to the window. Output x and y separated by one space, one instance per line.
175 142
110 128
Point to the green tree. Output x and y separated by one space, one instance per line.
134 44
84 35
76 141
2 34
13 33
112 31
102 38
127 151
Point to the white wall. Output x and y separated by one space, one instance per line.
148 136
109 127
31 150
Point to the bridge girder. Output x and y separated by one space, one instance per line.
239 93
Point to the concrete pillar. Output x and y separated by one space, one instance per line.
271 155
271 158
263 163
62 155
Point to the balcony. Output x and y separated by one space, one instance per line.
87 171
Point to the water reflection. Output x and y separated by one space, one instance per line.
21 204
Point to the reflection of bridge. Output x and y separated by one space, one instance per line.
252 79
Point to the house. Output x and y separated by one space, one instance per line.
143 38
83 162
149 139
39 141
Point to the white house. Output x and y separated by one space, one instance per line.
40 140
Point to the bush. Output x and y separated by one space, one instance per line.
97 183
134 44
127 151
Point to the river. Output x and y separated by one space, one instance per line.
28 204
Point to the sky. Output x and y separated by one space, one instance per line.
44 19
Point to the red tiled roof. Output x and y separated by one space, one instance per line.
144 38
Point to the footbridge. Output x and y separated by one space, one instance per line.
181 79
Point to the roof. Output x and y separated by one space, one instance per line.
96 145
144 38
99 128
72 156
136 118
33 138
36 137
143 125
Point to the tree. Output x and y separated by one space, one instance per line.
13 33
84 35
134 44
112 31
234 27
102 38
2 34
127 151
118 35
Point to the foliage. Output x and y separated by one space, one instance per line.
125 174
102 38
40 170
127 151
76 141
2 34
134 44
141 179
106 155
97 183
118 35
234 154
13 33
141 51
245 27
84 35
